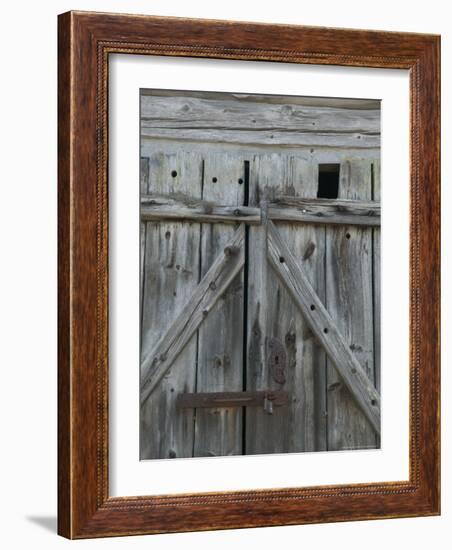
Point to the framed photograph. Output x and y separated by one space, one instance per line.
248 275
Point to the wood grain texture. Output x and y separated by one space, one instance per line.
210 112
171 275
171 208
85 508
65 505
352 140
273 315
349 294
198 302
325 329
220 337
376 268
326 211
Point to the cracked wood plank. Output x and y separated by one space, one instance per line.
325 211
257 113
154 207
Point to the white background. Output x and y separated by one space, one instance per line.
28 274
128 476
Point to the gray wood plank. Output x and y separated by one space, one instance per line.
318 154
355 140
376 235
171 275
290 209
155 207
218 432
274 315
326 331
213 287
350 304
144 188
235 113
269 99
325 211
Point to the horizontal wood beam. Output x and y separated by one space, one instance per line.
217 400
323 327
258 113
343 140
289 209
154 208
215 282
325 211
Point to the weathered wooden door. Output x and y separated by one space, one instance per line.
260 301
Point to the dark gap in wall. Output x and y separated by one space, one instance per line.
374 274
328 181
203 167
246 200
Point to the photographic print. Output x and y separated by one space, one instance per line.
260 274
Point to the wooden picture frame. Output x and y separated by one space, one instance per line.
86 40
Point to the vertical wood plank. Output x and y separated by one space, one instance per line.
349 301
300 426
144 188
376 233
218 432
171 274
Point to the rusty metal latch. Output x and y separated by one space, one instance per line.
268 404
266 398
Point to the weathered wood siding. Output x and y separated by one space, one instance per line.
218 432
349 301
171 273
272 315
212 163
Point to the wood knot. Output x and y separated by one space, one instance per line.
309 251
